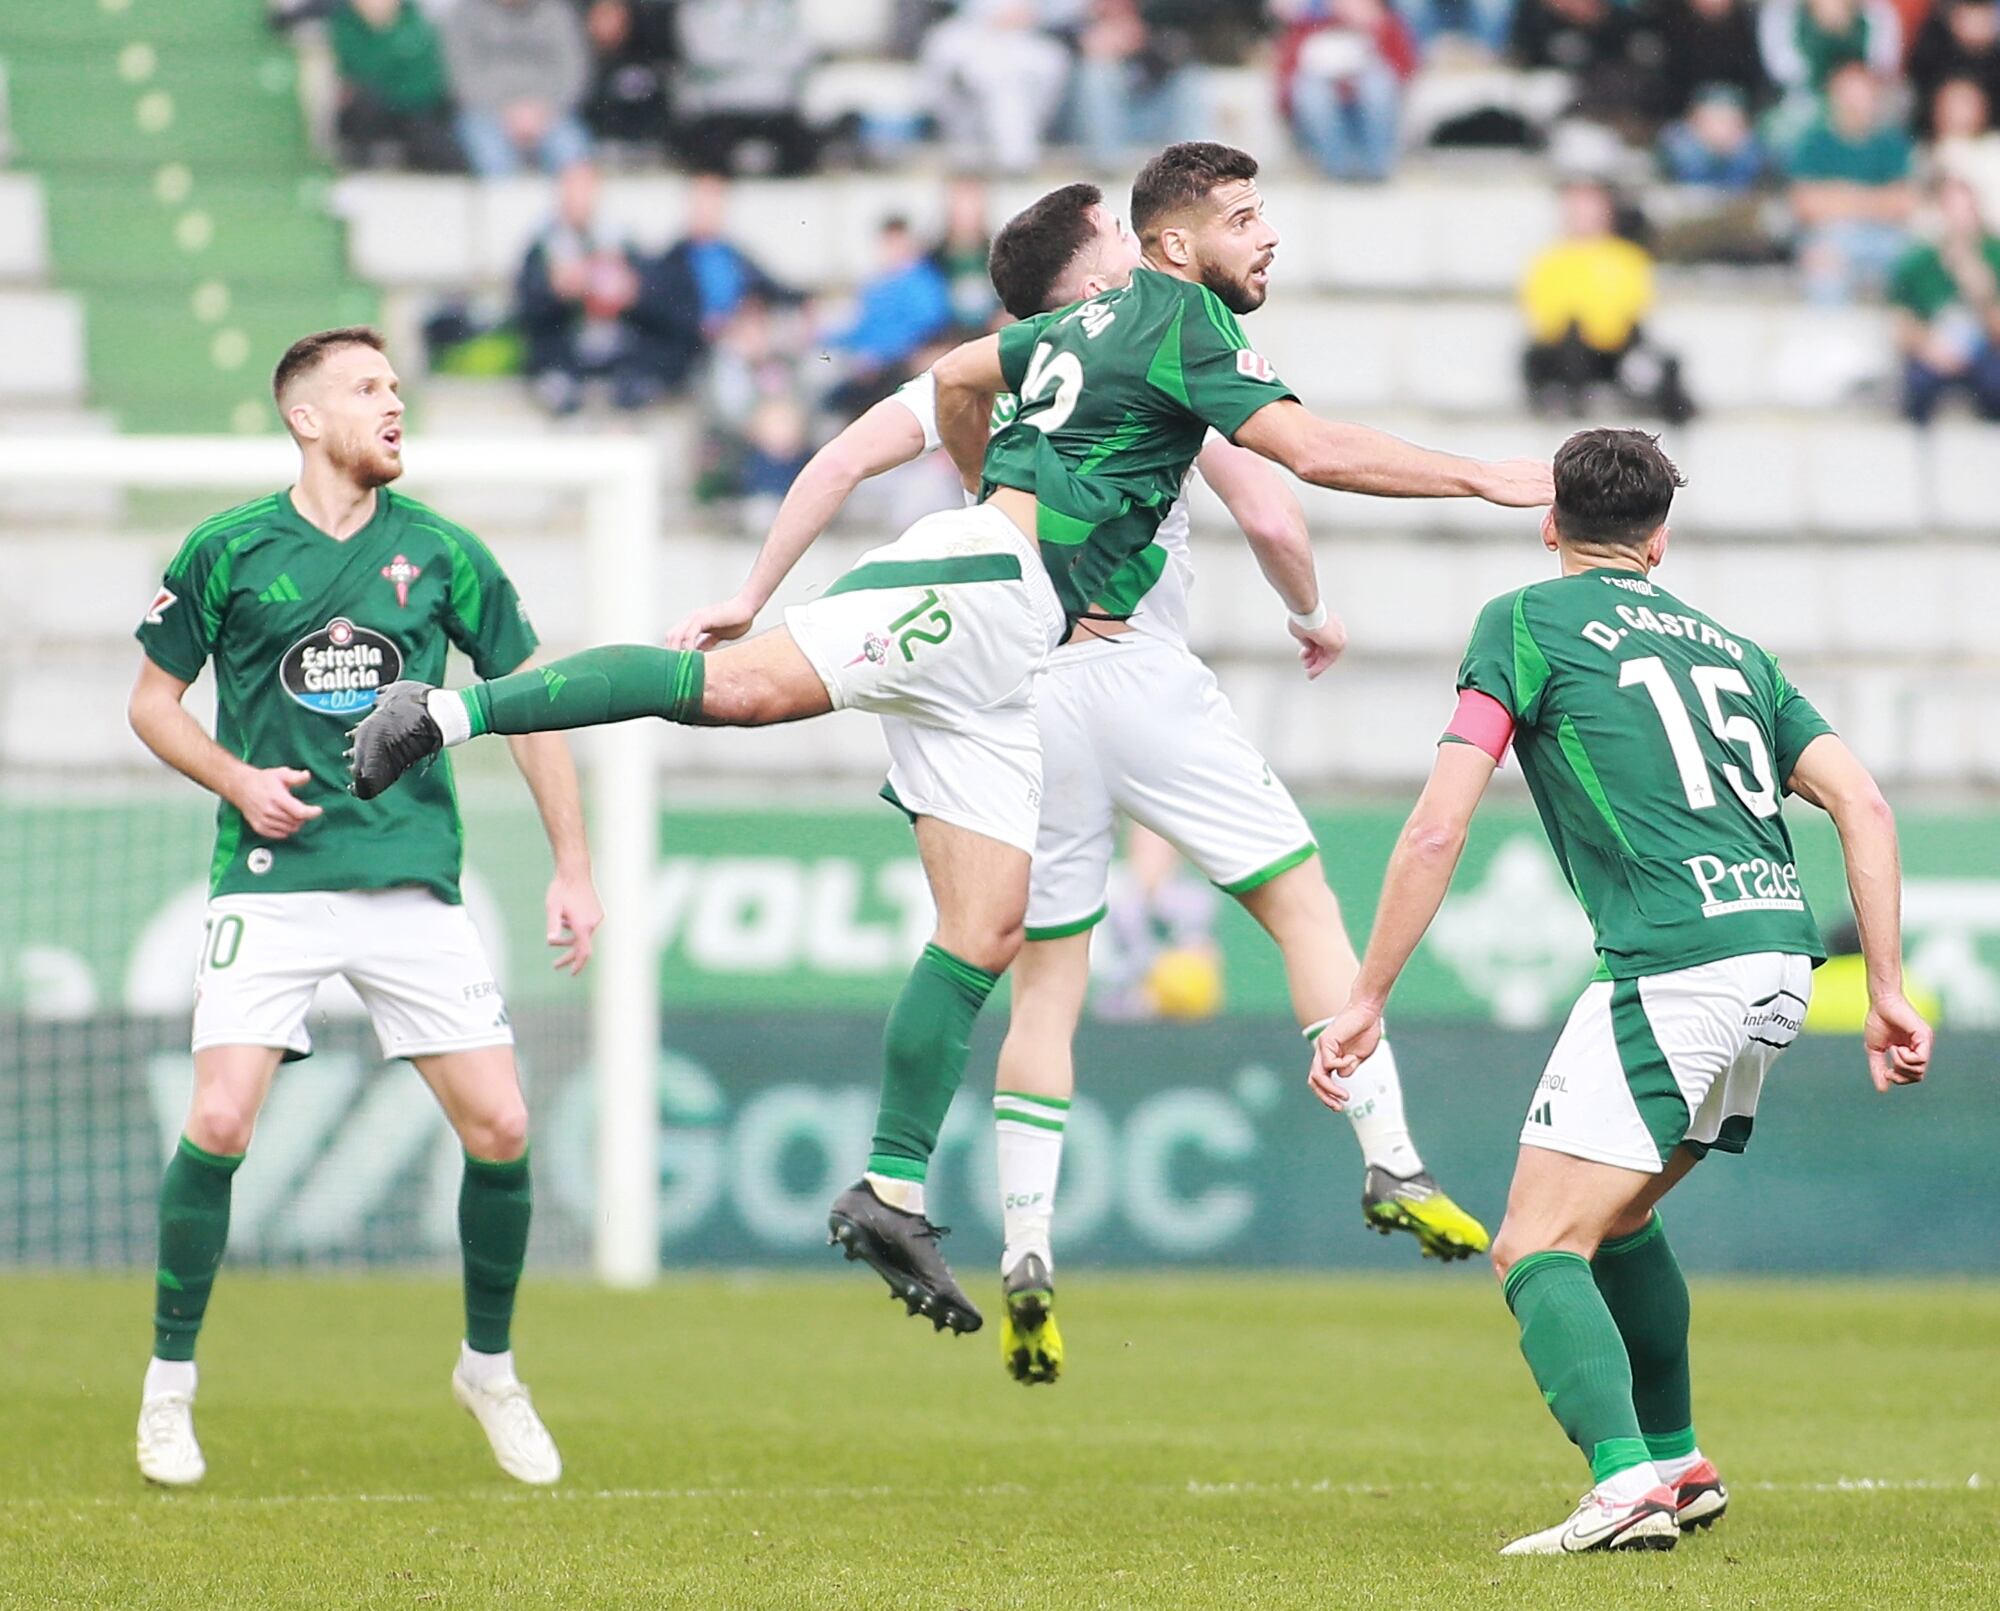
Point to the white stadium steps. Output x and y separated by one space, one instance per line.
24 233
1431 234
41 347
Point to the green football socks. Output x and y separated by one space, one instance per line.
495 1202
1578 1359
928 1040
614 683
194 1229
1642 1286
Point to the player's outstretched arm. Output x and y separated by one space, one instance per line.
263 795
1260 502
968 377
1420 869
1356 458
571 903
886 436
1830 775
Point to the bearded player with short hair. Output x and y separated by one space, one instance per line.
309 602
1658 745
1131 720
942 633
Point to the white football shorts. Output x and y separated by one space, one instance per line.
940 634
416 962
1138 724
1646 1065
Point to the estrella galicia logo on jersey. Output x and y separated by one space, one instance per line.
163 601
338 669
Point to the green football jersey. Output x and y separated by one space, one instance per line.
303 630
1116 395
1657 746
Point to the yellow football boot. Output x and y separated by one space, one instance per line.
1030 1346
1417 1204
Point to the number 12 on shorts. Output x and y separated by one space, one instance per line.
933 628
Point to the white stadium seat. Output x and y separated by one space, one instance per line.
41 347
24 239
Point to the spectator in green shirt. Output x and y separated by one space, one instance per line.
1947 297
395 106
1850 189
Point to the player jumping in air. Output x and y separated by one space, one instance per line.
309 602
1657 744
1130 721
942 632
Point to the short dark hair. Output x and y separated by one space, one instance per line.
1035 248
1182 175
1613 488
305 355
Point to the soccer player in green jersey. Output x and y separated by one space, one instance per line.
1130 721
941 633
1657 744
309 602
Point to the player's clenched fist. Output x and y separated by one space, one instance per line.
265 798
1342 1046
1898 1041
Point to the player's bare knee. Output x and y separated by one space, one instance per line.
498 1134
221 1121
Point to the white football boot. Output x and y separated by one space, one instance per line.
1599 1523
507 1415
168 1453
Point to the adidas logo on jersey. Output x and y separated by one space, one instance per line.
283 591
1545 1114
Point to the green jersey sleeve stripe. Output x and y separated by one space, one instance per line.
1531 666
1224 320
216 589
467 601
1586 775
1166 371
214 527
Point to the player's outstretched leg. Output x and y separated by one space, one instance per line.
766 679
1398 1193
1642 1285
481 1095
981 887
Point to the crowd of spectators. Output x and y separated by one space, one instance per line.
772 371
1819 133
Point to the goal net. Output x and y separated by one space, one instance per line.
103 880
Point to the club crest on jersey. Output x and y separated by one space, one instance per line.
338 670
402 573
874 649
1254 366
163 601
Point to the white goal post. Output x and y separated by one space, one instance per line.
618 482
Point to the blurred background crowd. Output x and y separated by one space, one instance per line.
1844 149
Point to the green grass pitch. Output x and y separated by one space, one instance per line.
795 1442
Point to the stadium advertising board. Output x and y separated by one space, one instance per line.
1189 1144
824 909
